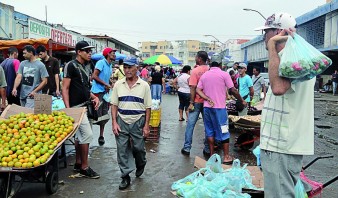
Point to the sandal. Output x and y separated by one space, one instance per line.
182 119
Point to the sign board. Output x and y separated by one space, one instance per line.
42 104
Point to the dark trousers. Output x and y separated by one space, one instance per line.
130 144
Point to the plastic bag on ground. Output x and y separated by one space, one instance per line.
215 163
299 190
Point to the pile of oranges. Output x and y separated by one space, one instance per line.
28 140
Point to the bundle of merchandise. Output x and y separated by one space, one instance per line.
155 104
300 61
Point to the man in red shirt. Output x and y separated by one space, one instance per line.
196 103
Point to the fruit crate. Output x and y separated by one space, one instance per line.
155 118
154 134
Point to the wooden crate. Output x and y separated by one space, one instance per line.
154 135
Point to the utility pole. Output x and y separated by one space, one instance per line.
214 44
46 12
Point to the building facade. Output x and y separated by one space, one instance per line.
318 27
232 48
15 25
183 50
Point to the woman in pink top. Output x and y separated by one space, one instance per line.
181 83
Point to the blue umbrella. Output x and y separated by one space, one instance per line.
99 56
174 61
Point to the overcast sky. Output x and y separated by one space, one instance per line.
133 21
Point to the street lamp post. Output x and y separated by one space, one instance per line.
216 40
247 9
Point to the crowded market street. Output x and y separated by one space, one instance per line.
166 164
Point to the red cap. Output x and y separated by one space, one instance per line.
107 50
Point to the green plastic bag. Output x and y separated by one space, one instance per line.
300 61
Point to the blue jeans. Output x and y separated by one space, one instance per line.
189 130
156 92
334 87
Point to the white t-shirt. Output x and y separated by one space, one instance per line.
287 122
183 84
258 82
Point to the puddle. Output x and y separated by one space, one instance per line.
323 126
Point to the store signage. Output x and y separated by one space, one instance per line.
40 30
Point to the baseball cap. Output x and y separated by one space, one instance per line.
130 61
243 65
107 50
82 45
280 20
216 58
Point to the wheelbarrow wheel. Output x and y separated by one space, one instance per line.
52 182
4 177
242 139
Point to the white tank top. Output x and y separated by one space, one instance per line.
183 84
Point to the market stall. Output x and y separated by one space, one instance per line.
30 143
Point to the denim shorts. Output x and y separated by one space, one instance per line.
215 123
184 99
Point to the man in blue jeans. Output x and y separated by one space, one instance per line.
196 103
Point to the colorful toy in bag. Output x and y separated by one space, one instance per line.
300 61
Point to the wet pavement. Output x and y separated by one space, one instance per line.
166 164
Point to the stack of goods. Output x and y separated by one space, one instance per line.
248 120
155 121
301 61
231 106
29 140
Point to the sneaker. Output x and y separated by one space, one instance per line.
125 182
89 173
101 140
184 152
77 167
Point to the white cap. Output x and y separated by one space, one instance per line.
279 21
243 65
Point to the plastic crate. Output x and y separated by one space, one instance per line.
155 118
154 134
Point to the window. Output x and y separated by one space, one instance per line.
160 47
193 46
146 47
192 54
158 53
181 54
